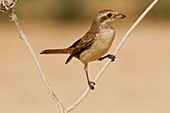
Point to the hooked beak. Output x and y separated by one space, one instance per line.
120 16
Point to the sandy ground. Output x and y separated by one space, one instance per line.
137 82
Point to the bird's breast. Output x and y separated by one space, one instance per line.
100 46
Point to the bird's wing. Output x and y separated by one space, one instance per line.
75 43
84 43
80 45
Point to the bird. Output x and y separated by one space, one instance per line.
95 43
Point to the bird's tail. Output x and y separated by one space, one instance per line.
57 51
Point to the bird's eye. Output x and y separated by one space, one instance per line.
109 15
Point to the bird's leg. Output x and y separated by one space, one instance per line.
110 56
90 83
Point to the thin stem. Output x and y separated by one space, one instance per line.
109 61
23 36
134 26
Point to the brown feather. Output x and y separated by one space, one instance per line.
58 51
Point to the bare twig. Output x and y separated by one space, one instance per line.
8 6
23 36
115 53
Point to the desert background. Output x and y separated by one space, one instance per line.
137 82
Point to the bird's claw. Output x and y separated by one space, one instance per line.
91 85
112 57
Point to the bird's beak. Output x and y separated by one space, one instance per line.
120 16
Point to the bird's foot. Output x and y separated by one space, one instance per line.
112 57
91 85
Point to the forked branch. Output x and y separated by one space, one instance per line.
8 5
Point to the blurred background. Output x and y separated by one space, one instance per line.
137 82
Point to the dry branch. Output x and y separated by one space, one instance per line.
23 36
8 5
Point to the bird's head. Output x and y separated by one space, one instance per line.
105 18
